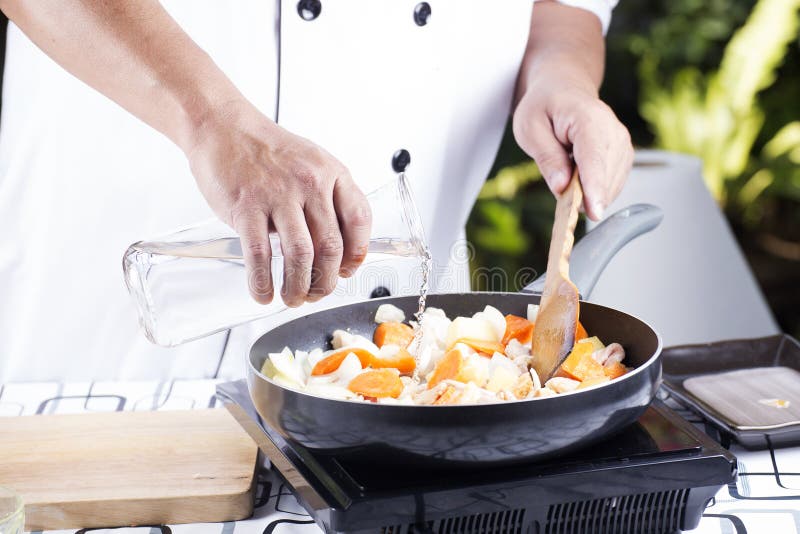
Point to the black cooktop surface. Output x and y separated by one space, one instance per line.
653 436
661 468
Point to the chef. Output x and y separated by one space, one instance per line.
123 120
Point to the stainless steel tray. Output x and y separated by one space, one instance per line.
748 388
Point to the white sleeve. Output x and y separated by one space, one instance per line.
601 8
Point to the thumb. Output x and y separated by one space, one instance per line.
536 137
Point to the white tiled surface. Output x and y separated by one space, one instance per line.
765 500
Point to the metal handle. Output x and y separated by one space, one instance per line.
592 253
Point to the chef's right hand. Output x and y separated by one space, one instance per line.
258 177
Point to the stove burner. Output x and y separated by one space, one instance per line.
656 477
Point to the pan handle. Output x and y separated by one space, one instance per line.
593 252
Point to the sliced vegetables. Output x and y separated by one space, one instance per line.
400 359
487 348
615 370
377 383
580 365
469 360
448 368
594 381
580 332
393 333
518 328
470 328
331 363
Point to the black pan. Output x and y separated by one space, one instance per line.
500 433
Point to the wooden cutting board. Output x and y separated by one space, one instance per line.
128 468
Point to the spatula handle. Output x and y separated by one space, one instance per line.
563 237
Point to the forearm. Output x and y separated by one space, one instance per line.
256 176
559 119
566 42
133 52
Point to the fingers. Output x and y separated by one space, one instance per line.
323 224
535 135
327 239
355 222
252 226
298 252
589 153
603 153
258 178
548 124
324 228
624 162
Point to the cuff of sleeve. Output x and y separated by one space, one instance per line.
601 8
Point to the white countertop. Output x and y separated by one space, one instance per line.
765 499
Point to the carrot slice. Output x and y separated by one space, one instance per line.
403 361
615 370
377 383
560 372
580 332
448 367
518 328
580 365
484 347
393 333
449 396
332 362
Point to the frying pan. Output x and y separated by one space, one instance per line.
500 433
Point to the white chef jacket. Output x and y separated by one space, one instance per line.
80 179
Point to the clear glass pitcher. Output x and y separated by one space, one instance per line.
192 283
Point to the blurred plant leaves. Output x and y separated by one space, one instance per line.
502 232
716 78
717 116
509 180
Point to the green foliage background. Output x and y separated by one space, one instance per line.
719 79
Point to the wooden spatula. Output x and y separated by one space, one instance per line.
557 319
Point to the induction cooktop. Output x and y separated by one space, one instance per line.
656 476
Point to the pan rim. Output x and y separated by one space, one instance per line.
649 362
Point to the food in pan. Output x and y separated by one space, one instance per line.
436 361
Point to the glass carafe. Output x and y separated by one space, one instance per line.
192 283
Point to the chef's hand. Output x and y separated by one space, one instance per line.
559 111
256 176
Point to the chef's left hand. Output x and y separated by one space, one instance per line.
559 111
